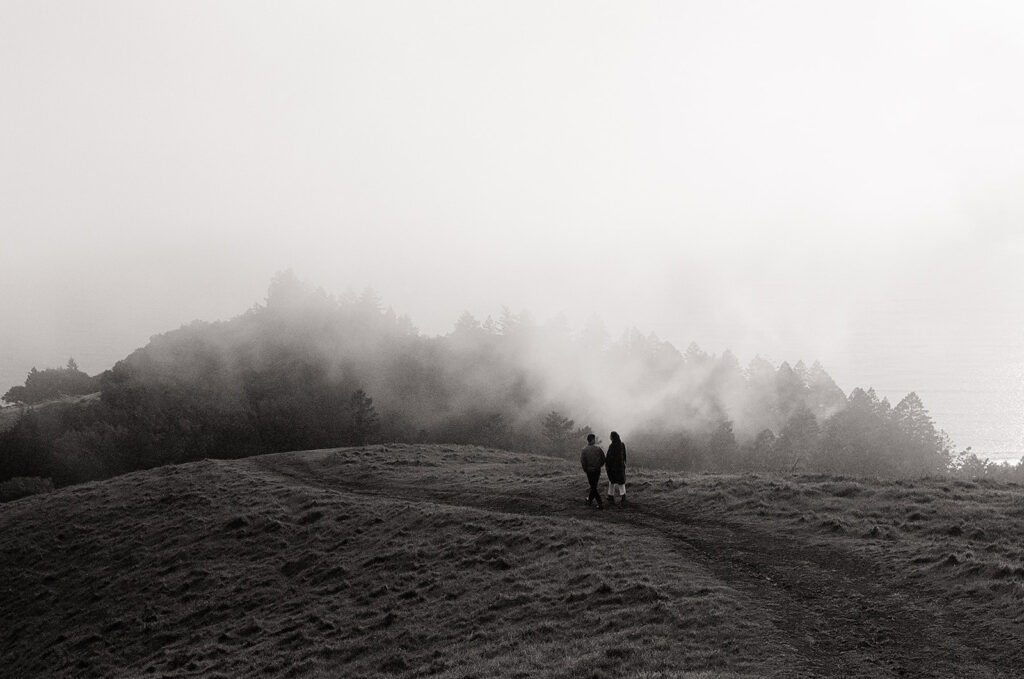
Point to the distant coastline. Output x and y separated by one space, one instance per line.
1012 458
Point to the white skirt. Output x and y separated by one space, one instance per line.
616 489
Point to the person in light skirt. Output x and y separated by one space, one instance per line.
615 468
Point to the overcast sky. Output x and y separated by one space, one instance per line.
841 181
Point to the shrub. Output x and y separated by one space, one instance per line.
23 486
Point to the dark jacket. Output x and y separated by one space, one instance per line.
592 458
616 462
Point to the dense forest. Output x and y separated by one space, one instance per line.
311 370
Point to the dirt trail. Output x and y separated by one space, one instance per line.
842 615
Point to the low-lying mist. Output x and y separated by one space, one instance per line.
311 370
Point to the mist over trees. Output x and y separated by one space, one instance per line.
312 370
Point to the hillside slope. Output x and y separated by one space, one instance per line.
9 414
459 561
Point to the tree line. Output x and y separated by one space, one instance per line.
52 383
311 370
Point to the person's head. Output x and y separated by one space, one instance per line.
591 438
615 436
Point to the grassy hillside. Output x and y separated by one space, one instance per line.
459 562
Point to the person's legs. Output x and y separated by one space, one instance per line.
593 478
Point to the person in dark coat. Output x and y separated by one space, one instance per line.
615 467
592 459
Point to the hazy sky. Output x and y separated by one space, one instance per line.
841 181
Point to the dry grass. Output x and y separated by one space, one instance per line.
458 562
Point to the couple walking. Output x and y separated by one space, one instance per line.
593 458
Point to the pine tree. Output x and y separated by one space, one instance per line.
791 393
922 447
365 421
858 439
467 324
799 440
761 453
825 398
722 446
558 430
